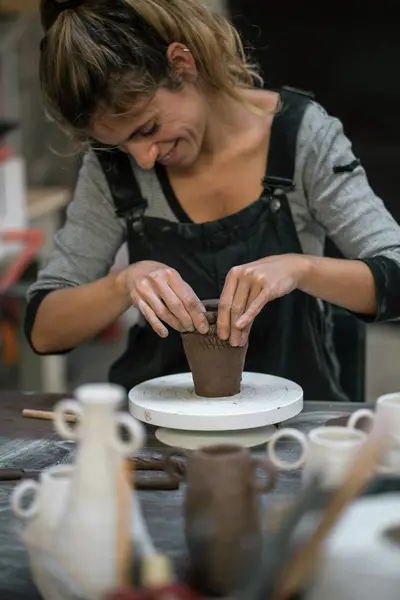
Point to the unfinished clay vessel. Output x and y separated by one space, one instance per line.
216 366
222 516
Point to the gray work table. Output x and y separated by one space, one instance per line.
31 444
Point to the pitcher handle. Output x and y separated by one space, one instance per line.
173 469
288 433
27 486
268 467
136 438
363 413
63 428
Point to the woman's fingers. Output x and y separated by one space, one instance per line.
152 318
254 308
254 293
170 300
239 304
162 312
225 305
184 304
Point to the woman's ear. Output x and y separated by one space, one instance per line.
182 61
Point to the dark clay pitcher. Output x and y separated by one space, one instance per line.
222 514
216 366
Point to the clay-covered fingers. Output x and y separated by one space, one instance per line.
225 304
232 304
245 331
154 310
239 303
164 298
255 307
183 303
152 318
239 293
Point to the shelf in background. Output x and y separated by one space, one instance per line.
42 201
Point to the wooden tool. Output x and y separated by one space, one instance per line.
141 483
299 568
45 415
18 474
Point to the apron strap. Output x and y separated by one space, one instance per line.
129 202
130 205
283 142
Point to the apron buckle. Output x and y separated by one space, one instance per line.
133 215
272 184
274 204
275 187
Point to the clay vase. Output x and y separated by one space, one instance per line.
216 366
93 542
222 514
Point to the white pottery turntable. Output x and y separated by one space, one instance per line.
188 421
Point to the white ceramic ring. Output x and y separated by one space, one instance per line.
288 433
363 413
136 431
26 487
63 428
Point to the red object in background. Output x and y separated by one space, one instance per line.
129 594
33 240
177 591
5 153
112 332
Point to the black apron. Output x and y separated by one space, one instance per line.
292 336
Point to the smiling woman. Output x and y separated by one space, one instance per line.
114 54
221 190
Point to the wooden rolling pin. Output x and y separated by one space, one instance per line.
45 415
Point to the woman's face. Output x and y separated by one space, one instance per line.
168 129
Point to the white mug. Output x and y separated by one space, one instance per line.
387 408
387 411
325 450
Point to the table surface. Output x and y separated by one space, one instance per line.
32 444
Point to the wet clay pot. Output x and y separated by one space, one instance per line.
216 366
222 514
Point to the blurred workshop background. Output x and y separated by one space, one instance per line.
350 65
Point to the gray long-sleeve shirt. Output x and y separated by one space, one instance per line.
339 205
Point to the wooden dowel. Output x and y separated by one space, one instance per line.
45 415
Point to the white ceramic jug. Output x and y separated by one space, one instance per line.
93 544
48 500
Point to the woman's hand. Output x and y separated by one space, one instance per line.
160 294
248 288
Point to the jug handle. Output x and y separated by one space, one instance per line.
63 409
363 413
27 486
136 438
268 467
174 469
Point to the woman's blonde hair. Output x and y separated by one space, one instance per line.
102 55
